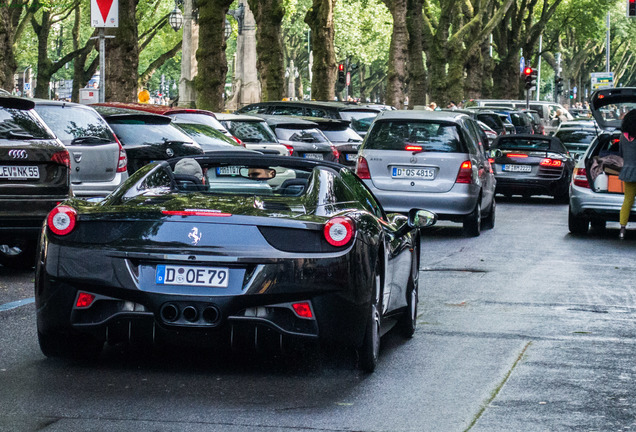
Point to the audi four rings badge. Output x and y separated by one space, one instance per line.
18 154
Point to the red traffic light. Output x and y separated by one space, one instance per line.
341 67
631 8
527 71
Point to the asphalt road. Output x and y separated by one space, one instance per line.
525 328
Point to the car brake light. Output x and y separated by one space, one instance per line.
338 231
122 163
491 161
290 148
465 174
303 309
580 178
335 152
61 220
362 169
62 158
84 300
196 212
517 155
413 148
553 163
241 143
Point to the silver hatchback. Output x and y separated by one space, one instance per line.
430 159
98 160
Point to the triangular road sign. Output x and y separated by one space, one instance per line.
104 7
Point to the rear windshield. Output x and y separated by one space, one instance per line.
430 136
491 120
523 144
251 131
21 124
301 135
519 119
206 135
360 120
198 118
70 123
342 136
576 136
134 132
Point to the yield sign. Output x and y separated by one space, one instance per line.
104 13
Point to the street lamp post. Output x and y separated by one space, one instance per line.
175 18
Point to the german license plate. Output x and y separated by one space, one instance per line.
215 277
351 156
417 173
228 171
19 172
313 156
517 168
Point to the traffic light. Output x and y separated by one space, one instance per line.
341 73
530 77
631 8
558 84
571 94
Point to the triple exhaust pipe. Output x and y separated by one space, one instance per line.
173 313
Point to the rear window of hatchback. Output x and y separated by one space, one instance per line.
415 135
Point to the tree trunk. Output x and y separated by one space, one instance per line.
122 56
211 59
416 72
508 78
398 55
269 47
45 70
8 63
320 20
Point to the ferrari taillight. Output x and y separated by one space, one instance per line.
62 219
339 230
579 178
362 169
62 158
465 174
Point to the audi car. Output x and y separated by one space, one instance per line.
233 256
34 178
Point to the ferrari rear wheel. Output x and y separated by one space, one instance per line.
18 255
71 346
369 352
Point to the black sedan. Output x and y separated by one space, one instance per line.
531 165
263 250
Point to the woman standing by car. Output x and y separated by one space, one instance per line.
628 172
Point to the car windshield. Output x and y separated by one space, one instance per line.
360 120
204 177
420 135
251 131
205 135
135 132
70 123
198 118
311 135
576 136
343 136
523 144
21 124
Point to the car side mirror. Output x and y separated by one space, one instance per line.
421 218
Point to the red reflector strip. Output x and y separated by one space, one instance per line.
195 213
517 155
303 310
413 148
84 300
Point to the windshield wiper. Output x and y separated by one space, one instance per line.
85 139
19 135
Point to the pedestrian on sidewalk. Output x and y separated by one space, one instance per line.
627 150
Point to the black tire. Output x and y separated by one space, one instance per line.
577 224
489 221
472 222
71 346
18 255
369 351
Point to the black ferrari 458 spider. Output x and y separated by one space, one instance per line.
232 247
